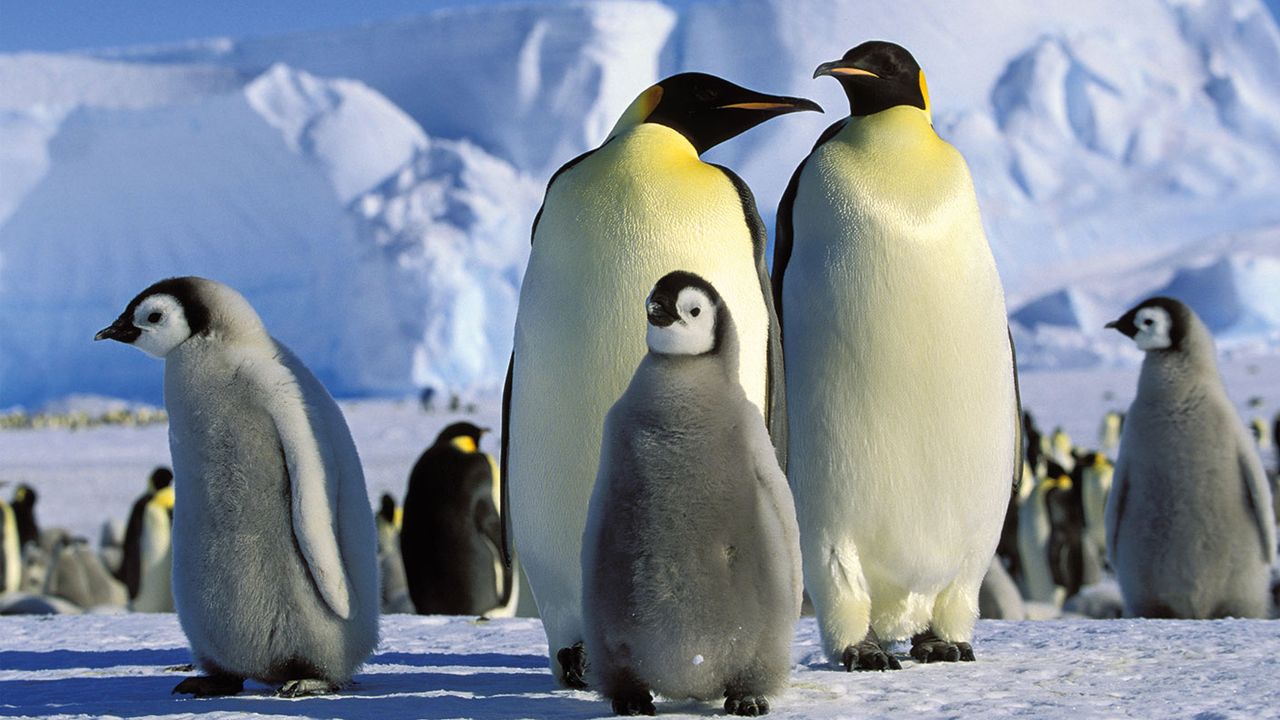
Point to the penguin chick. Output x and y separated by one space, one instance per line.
1190 530
274 564
691 558
614 221
451 534
903 414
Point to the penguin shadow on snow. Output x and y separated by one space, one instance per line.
386 695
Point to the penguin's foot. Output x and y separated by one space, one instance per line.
188 667
926 647
746 705
637 702
868 655
209 686
306 686
573 665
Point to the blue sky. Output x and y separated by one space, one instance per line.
79 24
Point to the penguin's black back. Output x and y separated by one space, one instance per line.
450 533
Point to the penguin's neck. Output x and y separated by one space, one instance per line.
1180 379
653 144
895 126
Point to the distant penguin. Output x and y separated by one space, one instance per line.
691 556
275 573
1035 532
1095 484
451 537
111 546
614 221
395 588
1060 449
901 385
155 554
999 598
24 511
1071 566
1261 435
77 575
1109 433
10 550
1190 529
157 519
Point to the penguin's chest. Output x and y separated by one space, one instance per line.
897 341
638 208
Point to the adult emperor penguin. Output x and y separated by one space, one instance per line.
10 550
904 415
691 555
274 568
1190 530
24 513
451 536
147 557
614 220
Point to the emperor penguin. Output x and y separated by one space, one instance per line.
146 545
1095 481
691 555
451 536
275 574
613 222
394 586
904 413
1190 527
1109 433
1035 536
24 513
10 550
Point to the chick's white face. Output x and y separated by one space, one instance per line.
163 324
1154 328
693 332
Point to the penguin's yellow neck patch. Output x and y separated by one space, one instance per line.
924 93
164 498
397 518
638 111
464 443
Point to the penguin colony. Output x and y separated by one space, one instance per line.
669 483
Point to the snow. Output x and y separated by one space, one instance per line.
370 189
441 667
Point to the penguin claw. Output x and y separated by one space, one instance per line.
928 647
209 686
306 686
868 655
746 705
640 703
573 665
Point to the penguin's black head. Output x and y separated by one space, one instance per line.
462 435
878 75
707 110
161 478
161 317
24 496
1157 323
686 316
387 508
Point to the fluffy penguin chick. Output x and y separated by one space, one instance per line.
274 553
903 420
691 557
1190 530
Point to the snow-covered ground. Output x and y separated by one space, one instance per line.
437 667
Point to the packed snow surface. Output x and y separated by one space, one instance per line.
451 667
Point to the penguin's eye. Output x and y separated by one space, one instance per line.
1147 322
154 317
696 312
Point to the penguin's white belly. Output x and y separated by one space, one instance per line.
612 227
899 376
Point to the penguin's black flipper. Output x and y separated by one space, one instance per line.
1018 455
783 231
776 382
504 490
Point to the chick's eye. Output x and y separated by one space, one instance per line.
1147 322
154 317
695 312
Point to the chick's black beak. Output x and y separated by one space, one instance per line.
662 310
122 330
1124 325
